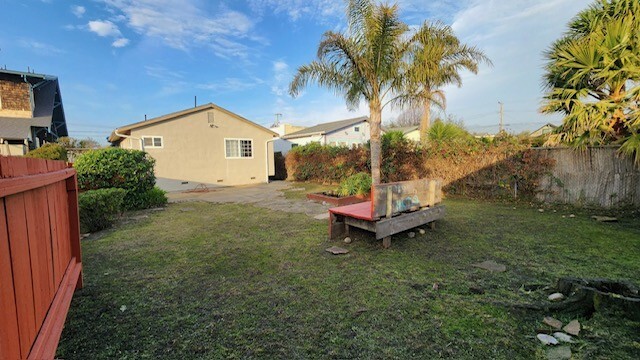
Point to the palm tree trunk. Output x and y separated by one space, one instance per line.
425 121
375 118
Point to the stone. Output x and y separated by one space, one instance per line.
604 218
559 353
572 216
564 216
421 231
541 210
547 339
140 217
337 250
554 323
347 240
187 209
562 337
157 209
323 216
491 266
411 234
573 328
123 308
556 297
84 235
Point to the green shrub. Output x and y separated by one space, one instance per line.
99 208
358 184
49 151
131 170
154 197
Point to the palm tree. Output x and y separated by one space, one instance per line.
435 60
593 78
361 64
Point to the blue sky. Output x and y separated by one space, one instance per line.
118 60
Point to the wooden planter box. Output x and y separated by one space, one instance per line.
337 201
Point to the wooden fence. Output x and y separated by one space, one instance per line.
40 261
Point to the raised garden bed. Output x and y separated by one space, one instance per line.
334 199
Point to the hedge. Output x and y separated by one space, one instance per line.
49 151
131 170
99 208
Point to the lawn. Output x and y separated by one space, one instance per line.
210 281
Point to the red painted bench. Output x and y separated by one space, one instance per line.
394 208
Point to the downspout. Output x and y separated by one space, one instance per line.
266 147
135 138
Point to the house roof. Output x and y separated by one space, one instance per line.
47 112
127 128
541 128
405 129
325 128
20 128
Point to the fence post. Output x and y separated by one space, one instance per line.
74 223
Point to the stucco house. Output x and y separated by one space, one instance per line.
349 132
31 111
410 132
205 144
281 145
545 129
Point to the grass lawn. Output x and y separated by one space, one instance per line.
232 281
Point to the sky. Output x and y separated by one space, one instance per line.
119 60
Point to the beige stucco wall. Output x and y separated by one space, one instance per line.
12 149
194 151
413 135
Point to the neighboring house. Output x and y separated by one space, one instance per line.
410 132
281 145
205 144
349 132
547 128
31 111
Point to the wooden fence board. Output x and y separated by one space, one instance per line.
9 348
40 263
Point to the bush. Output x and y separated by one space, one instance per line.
49 151
154 197
99 208
131 170
358 184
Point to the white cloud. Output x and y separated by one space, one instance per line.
296 9
121 42
39 47
104 28
514 35
78 10
281 78
184 24
231 84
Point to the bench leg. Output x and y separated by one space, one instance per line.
386 242
346 229
432 225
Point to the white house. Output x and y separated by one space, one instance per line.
350 132
281 145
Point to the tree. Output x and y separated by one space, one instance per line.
408 117
593 78
435 60
362 63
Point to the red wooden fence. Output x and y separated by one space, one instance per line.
40 261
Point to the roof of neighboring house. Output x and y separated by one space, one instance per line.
325 128
540 131
405 129
127 128
47 112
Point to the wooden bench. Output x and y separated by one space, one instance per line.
394 208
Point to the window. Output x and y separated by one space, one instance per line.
238 148
356 129
151 142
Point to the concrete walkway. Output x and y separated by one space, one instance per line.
268 196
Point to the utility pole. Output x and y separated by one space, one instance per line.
501 115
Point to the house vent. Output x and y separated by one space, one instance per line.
220 180
211 119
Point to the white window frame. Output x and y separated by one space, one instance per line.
239 149
153 137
